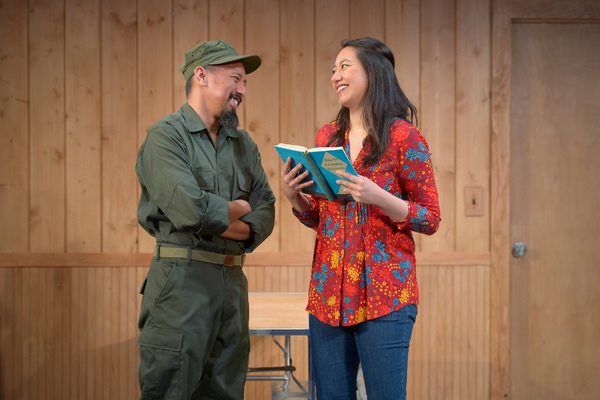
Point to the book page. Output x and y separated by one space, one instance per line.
331 163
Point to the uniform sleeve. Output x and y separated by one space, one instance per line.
165 174
262 217
418 184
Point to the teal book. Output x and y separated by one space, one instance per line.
321 163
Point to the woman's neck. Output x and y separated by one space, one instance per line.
356 119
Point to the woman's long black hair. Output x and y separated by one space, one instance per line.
384 99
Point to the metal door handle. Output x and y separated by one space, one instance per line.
519 249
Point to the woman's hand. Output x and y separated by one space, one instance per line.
362 189
293 185
365 191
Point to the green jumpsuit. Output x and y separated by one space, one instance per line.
194 341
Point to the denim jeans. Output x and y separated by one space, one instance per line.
379 345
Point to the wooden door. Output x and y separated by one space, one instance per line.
555 210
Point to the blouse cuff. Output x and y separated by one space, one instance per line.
301 215
405 222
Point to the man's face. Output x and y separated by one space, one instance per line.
227 88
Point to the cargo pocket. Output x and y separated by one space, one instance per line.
143 288
242 187
160 354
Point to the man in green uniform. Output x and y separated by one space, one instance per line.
206 200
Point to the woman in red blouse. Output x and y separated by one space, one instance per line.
363 292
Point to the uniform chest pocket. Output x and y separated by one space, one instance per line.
205 179
242 186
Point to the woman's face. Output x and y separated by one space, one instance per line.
349 79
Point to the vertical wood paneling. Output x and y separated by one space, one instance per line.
46 338
119 228
72 344
190 27
450 344
473 114
123 283
437 111
29 347
83 128
263 351
14 139
500 201
297 41
119 126
79 336
367 19
262 98
402 35
226 22
155 83
47 127
441 65
11 333
332 25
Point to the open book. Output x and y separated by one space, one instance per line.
321 163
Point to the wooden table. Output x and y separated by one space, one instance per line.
281 314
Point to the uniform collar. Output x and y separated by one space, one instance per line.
195 124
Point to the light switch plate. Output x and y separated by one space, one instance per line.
473 201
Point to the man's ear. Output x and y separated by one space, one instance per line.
200 76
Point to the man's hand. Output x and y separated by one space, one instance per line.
238 230
238 208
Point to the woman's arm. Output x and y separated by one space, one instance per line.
365 191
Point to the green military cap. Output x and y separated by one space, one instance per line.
216 52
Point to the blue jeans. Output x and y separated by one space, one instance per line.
380 346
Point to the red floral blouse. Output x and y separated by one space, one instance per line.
364 262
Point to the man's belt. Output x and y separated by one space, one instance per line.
227 260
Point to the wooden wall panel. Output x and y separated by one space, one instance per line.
263 350
262 105
72 331
46 339
402 35
155 83
437 111
46 127
119 126
298 40
190 27
449 355
14 138
332 25
367 19
121 59
226 22
11 333
297 35
473 116
83 127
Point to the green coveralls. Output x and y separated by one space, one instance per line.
194 341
